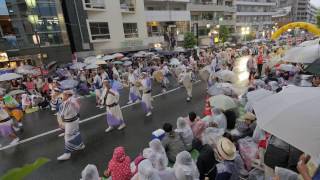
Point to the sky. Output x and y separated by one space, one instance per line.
315 2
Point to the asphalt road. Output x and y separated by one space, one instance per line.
99 145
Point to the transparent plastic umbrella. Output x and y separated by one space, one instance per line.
68 84
9 76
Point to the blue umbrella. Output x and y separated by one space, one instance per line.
127 63
78 65
117 62
68 84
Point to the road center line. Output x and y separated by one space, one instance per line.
85 120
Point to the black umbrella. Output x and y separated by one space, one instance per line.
314 68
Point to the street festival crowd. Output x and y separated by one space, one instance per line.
225 144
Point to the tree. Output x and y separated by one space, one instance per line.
318 19
223 33
189 40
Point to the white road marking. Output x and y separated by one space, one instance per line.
84 120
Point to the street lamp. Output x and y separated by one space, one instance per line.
245 31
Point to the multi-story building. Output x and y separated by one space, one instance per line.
33 31
166 20
299 8
117 25
255 15
209 15
312 14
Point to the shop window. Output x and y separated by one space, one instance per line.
99 31
130 30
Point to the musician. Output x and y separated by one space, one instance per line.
146 96
114 114
186 79
134 94
69 114
165 82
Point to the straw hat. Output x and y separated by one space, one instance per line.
68 92
249 116
226 149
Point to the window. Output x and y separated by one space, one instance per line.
99 30
94 4
130 30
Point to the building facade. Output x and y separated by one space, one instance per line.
255 15
299 9
166 21
34 32
115 26
312 14
209 15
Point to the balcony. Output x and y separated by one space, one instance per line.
94 5
239 2
127 6
255 13
166 15
213 22
183 1
210 7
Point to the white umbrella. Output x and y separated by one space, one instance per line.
179 49
26 69
107 57
100 62
16 92
127 63
227 75
78 65
118 55
293 116
90 59
309 43
9 76
125 59
91 66
306 55
222 102
174 61
254 96
287 67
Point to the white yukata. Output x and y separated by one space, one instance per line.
186 79
165 71
69 113
5 123
134 93
97 82
114 114
146 96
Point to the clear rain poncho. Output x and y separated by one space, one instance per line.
90 172
211 136
185 131
146 171
185 168
157 154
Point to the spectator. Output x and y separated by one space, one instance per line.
185 168
146 171
186 133
172 142
226 154
158 154
165 173
90 172
219 119
119 165
196 124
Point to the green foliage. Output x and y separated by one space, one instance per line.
223 34
189 40
21 173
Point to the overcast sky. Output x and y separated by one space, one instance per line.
316 2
